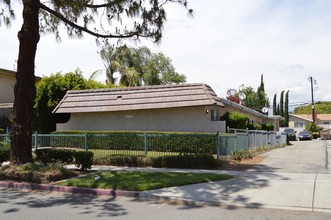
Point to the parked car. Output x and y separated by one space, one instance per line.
291 134
304 135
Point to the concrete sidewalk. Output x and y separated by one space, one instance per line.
249 189
307 192
296 177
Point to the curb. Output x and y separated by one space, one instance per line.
68 189
141 196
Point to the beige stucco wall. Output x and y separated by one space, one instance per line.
7 82
190 119
292 120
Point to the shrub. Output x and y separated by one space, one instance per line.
254 127
186 161
130 161
180 161
314 129
83 159
242 154
268 127
315 135
134 140
54 155
4 154
59 155
235 120
42 155
35 173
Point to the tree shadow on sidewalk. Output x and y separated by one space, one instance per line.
84 204
230 194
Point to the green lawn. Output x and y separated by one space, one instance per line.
141 181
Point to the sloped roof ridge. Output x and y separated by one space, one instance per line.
301 116
214 99
140 88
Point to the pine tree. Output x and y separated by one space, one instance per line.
101 19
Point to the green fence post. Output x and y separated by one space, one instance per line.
85 142
218 145
145 143
7 136
35 140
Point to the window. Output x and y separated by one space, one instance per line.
298 124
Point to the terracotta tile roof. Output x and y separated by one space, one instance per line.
138 98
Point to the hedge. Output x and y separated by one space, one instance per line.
54 155
204 143
82 159
196 161
4 153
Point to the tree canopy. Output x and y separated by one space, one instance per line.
254 100
138 66
50 91
320 108
104 19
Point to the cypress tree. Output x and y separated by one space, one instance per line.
274 106
286 114
281 104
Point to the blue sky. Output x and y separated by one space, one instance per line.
227 43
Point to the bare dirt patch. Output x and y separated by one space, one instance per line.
244 164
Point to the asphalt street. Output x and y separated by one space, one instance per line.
18 205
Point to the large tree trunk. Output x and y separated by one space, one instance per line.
25 90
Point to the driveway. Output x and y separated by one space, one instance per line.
300 157
295 177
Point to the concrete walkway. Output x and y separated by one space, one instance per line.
296 177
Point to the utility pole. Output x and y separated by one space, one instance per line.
310 78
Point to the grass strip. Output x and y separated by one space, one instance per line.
141 181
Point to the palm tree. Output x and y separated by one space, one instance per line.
137 66
112 64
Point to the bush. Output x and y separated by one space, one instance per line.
129 161
83 159
134 140
4 154
315 135
180 161
186 161
254 127
35 173
54 155
235 120
314 129
242 154
268 127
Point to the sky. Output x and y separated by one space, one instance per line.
225 44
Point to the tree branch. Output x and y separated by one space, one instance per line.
99 6
81 28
